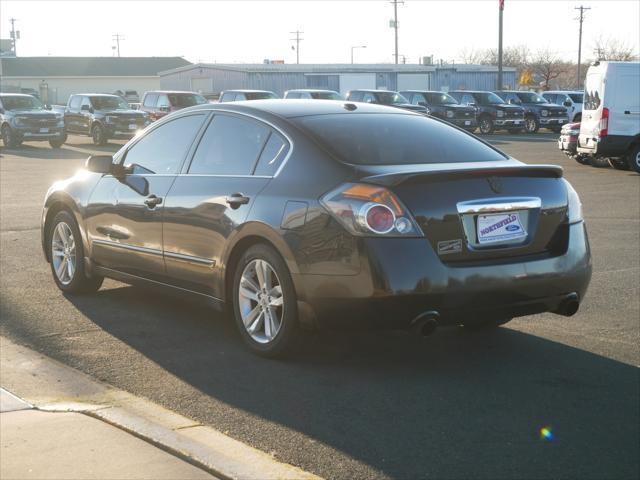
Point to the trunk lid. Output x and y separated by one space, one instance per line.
474 212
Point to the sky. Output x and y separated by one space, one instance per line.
250 31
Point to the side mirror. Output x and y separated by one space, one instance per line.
567 103
511 101
100 164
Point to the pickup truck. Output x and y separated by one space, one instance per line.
102 117
492 112
538 112
25 118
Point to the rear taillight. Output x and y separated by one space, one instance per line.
604 122
370 210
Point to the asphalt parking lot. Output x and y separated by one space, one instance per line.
372 404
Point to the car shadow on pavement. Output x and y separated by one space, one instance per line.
383 404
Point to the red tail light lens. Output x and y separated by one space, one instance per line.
604 122
370 210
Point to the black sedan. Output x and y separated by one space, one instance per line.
300 214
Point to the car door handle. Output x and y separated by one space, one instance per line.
152 201
236 199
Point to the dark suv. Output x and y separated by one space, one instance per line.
538 112
24 117
159 103
102 117
443 106
492 112
384 97
239 95
312 94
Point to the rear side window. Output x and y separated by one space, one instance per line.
162 150
150 100
593 91
395 139
230 146
272 155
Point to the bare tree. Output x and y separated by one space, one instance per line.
613 49
548 66
472 56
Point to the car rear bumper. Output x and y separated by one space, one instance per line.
609 146
401 279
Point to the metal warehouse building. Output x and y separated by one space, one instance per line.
214 78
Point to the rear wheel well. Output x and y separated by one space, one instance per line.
54 209
237 252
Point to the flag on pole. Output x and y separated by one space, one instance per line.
501 4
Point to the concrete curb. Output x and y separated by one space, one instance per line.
52 386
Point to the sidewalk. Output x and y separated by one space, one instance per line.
68 445
58 423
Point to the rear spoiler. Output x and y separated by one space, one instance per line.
532 171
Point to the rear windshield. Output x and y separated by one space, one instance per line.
325 96
260 95
395 139
183 100
576 97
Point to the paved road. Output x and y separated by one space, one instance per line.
370 405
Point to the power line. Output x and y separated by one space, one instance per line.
297 40
580 19
117 37
395 25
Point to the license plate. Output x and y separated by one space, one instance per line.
132 126
44 130
499 227
467 122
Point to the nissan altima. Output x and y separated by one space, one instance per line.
297 215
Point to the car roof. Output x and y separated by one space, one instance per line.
246 91
7 94
172 91
300 108
311 90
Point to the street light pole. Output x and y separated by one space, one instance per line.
356 46
501 6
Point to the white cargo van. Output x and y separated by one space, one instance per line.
610 125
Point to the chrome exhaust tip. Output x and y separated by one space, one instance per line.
569 306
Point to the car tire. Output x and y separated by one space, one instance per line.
619 163
485 125
66 254
9 140
633 159
581 159
531 124
599 162
98 135
56 143
264 300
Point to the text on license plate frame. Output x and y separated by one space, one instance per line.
500 227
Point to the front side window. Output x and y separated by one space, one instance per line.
395 139
390 98
75 102
163 101
85 103
22 103
468 99
368 98
230 146
109 103
162 150
488 98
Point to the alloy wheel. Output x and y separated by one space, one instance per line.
530 125
261 301
63 253
485 125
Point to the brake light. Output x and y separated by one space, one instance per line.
604 122
370 210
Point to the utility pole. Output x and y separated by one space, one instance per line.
581 19
14 35
395 25
297 33
501 7
117 37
